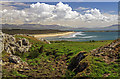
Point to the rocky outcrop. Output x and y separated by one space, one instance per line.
76 65
11 45
109 52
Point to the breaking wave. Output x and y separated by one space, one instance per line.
88 37
73 35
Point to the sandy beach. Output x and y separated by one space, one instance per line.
52 34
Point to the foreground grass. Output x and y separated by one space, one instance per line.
52 59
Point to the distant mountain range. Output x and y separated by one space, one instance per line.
54 27
31 26
112 27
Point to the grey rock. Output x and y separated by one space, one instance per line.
11 45
15 59
19 43
25 42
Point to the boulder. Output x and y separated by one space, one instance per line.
75 62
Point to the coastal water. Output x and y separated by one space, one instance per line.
86 36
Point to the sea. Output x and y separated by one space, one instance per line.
86 36
83 36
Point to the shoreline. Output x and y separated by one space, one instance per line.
52 34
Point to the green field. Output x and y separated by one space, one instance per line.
49 60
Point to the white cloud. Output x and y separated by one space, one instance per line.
110 12
81 8
63 0
59 13
64 11
96 15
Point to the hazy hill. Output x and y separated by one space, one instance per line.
112 27
31 26
54 27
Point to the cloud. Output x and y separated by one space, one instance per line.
81 8
111 11
63 0
95 14
59 13
64 11
42 11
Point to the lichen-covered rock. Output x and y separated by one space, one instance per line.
25 42
11 45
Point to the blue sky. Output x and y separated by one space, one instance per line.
104 7
63 0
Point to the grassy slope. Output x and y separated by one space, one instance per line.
55 57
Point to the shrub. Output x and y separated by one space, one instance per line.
34 54
41 49
92 41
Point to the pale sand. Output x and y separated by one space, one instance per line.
52 34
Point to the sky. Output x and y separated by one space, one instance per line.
63 0
69 14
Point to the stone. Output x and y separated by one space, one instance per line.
19 43
25 42
13 49
15 59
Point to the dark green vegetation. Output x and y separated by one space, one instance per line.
26 31
50 60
